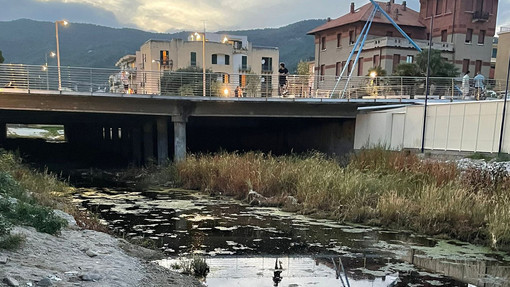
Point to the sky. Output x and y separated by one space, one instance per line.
191 15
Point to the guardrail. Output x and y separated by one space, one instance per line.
173 83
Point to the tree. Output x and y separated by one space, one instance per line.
1 58
407 70
379 71
189 82
439 67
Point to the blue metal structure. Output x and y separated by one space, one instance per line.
363 35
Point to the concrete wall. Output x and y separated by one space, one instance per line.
469 126
502 56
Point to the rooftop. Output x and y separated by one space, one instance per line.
401 14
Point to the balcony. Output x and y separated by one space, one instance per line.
480 16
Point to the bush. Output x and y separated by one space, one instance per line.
12 242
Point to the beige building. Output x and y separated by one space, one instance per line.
229 55
502 54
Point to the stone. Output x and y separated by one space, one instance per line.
255 198
45 282
91 253
11 281
4 259
71 222
90 277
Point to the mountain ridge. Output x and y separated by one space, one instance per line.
27 41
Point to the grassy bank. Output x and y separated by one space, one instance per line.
377 187
28 197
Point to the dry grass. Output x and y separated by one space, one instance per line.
381 187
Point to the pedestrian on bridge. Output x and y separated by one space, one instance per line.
479 86
465 85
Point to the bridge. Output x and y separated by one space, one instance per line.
99 113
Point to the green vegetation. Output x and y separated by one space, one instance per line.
2 59
28 197
377 187
195 265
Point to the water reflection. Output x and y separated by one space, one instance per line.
183 222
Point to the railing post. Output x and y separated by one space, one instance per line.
401 87
91 87
28 79
453 89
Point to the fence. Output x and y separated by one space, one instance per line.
173 83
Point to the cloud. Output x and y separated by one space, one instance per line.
52 11
178 15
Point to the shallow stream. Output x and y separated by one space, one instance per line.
242 244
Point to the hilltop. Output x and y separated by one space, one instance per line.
87 45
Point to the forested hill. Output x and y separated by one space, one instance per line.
87 45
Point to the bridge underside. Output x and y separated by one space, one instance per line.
94 139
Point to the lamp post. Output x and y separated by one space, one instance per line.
427 85
159 74
198 36
45 67
63 23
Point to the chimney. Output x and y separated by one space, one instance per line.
404 5
396 14
329 19
392 1
352 7
388 7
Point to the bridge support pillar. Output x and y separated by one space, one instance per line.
162 128
136 136
179 137
148 144
3 134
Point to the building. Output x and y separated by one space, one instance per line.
463 30
230 55
125 80
502 56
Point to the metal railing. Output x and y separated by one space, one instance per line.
170 83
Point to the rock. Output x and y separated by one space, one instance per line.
71 222
3 259
291 201
255 198
11 281
45 282
90 277
91 253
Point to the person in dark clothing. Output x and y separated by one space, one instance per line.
277 277
283 79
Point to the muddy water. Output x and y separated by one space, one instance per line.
242 244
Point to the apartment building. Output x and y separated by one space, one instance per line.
463 31
230 55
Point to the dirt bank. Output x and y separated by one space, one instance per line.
83 258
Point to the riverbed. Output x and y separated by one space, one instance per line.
259 246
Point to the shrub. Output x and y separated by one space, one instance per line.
12 242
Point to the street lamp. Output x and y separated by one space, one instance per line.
159 75
63 23
198 36
45 67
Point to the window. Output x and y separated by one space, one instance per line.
323 72
267 64
339 40
449 5
469 35
494 52
227 60
478 66
360 66
444 36
349 68
164 59
226 78
439 7
352 37
214 59
465 65
323 43
193 59
338 69
430 7
242 80
410 59
376 62
244 63
396 61
479 5
481 37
